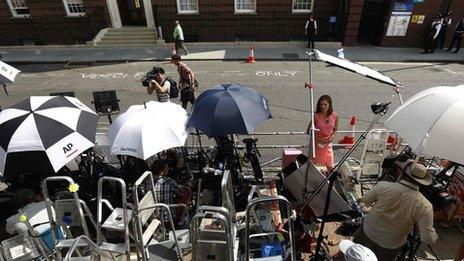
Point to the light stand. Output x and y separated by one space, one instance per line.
312 147
4 88
378 108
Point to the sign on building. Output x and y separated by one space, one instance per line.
399 19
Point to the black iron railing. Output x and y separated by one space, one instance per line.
226 26
41 30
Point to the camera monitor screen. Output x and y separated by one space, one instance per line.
106 102
69 94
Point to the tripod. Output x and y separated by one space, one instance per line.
379 109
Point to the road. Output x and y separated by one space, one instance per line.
281 82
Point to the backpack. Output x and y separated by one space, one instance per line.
173 90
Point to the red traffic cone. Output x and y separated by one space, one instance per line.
349 140
251 54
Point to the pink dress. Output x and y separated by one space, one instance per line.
324 152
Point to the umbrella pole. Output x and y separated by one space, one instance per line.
4 88
396 88
312 147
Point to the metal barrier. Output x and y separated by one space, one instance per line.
269 147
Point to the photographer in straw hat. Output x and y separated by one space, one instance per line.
396 208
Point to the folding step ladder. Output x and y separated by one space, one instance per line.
65 214
250 212
95 252
117 221
148 224
213 244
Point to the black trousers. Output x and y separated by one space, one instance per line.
430 45
457 37
311 39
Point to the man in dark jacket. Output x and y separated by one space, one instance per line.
311 30
457 36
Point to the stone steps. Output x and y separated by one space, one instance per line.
128 36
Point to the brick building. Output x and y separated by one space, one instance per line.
377 22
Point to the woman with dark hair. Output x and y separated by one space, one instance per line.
326 124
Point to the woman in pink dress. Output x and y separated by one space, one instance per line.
326 124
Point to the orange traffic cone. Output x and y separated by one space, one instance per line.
251 54
173 50
349 140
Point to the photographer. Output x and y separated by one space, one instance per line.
159 84
396 208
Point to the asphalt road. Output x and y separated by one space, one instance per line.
281 82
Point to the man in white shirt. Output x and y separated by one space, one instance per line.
396 208
311 30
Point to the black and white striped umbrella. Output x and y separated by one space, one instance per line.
43 133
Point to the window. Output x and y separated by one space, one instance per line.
18 8
245 6
302 6
187 6
74 7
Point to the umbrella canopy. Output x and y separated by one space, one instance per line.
432 122
229 109
7 73
43 133
144 130
355 67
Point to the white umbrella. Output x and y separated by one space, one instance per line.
432 122
43 133
7 74
144 130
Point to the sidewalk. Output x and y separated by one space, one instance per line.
278 51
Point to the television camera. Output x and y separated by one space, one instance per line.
437 192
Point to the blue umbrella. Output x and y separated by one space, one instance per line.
229 109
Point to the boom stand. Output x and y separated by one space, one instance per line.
380 109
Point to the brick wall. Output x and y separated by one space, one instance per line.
49 24
352 22
273 21
416 34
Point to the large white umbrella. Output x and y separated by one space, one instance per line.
144 130
43 133
432 122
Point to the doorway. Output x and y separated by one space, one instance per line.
132 12
372 22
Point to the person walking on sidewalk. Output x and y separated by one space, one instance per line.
435 28
311 30
457 36
187 82
178 35
446 22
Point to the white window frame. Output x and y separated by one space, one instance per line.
68 12
303 10
186 11
244 11
13 9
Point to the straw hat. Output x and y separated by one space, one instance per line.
416 171
356 252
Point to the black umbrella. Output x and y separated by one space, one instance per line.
229 109
43 133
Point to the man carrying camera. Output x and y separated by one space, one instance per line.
159 84
187 81
396 208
